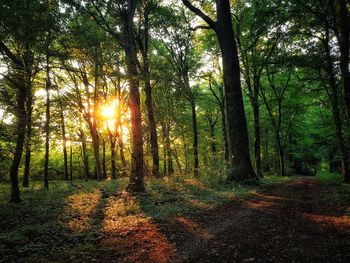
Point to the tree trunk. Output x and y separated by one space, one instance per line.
241 168
136 182
71 162
224 132
47 125
280 154
104 167
240 164
257 137
21 130
112 142
28 140
212 138
195 139
64 139
344 43
336 110
148 101
84 154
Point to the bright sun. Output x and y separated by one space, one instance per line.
108 110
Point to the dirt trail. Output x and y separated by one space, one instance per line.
288 222
298 221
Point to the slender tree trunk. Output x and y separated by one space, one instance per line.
28 140
257 138
344 41
280 154
224 132
21 130
267 154
104 167
84 154
64 139
136 182
47 124
96 148
148 101
112 142
169 151
336 111
71 163
212 138
165 148
195 139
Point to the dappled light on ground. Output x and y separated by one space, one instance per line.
80 208
177 221
194 228
342 223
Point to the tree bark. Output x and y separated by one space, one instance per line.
21 130
240 164
344 43
257 137
241 168
28 140
47 124
113 156
136 183
280 153
64 140
84 153
335 109
104 166
148 92
195 139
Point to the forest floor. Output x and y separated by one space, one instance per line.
179 220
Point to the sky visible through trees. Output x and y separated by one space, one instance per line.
166 94
101 89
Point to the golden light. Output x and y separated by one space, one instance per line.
108 111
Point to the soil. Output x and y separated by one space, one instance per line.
303 220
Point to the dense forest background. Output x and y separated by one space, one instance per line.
222 89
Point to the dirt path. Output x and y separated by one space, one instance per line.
298 221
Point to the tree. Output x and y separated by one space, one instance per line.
240 165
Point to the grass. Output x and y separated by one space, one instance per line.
330 177
65 218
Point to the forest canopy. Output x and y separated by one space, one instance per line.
103 89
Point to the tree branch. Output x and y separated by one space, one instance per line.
211 23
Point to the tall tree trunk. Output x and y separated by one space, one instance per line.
64 139
240 164
169 151
195 139
136 182
212 138
21 130
257 137
71 162
344 41
84 154
28 140
224 132
280 154
47 124
112 142
336 110
148 101
96 148
104 166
